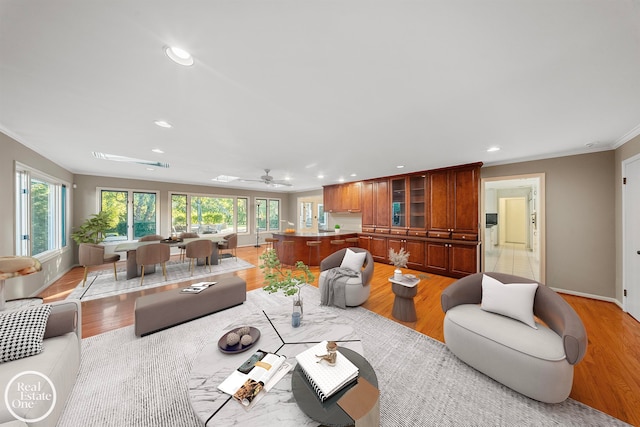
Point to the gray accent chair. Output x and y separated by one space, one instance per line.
90 254
537 363
155 253
357 289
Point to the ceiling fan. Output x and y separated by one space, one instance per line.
268 179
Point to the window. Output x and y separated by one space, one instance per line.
41 212
208 214
242 225
268 214
135 211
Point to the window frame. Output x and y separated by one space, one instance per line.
258 202
130 211
58 232
189 195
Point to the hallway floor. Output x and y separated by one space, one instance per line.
513 258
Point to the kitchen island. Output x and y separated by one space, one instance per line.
292 247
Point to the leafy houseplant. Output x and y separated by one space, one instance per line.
93 229
337 228
287 280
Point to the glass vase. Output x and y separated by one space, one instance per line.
298 305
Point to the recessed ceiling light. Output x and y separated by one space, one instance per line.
163 124
320 176
400 166
179 56
493 149
353 174
157 150
341 180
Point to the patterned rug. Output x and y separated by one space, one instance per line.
140 382
101 284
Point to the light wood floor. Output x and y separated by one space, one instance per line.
608 378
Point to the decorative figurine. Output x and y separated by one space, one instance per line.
332 355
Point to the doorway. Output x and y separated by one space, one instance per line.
631 233
311 216
512 220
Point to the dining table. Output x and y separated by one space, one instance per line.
130 247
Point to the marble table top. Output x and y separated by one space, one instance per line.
278 406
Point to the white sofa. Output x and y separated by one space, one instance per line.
59 361
535 362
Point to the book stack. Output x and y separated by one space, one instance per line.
326 380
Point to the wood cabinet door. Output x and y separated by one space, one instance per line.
352 197
416 249
395 244
417 202
438 199
378 248
464 201
330 198
463 260
382 203
364 242
437 258
368 213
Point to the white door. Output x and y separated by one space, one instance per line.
308 214
515 220
631 199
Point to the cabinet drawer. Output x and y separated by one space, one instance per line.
439 234
382 231
465 236
417 233
368 229
398 232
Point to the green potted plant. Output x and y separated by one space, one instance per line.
287 280
337 228
94 228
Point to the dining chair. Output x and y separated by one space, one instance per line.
199 249
150 237
90 254
182 246
230 243
155 253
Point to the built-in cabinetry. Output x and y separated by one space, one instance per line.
343 197
433 215
453 203
375 204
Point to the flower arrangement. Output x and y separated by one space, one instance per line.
398 259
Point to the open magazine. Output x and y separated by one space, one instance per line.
255 377
196 288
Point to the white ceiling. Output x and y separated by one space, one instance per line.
328 87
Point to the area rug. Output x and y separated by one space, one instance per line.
125 380
101 284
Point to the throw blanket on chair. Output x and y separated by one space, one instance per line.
334 291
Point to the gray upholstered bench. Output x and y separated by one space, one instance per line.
165 309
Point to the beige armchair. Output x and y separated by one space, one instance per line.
230 243
150 238
199 249
183 246
90 254
155 253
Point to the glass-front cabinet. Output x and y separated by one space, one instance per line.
417 202
398 203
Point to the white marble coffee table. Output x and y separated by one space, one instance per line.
278 407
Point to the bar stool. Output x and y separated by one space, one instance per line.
311 244
271 242
352 241
337 242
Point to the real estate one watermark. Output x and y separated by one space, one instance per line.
30 396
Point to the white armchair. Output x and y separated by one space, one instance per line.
357 289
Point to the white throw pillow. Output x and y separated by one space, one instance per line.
513 300
353 260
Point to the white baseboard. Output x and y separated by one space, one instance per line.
591 296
